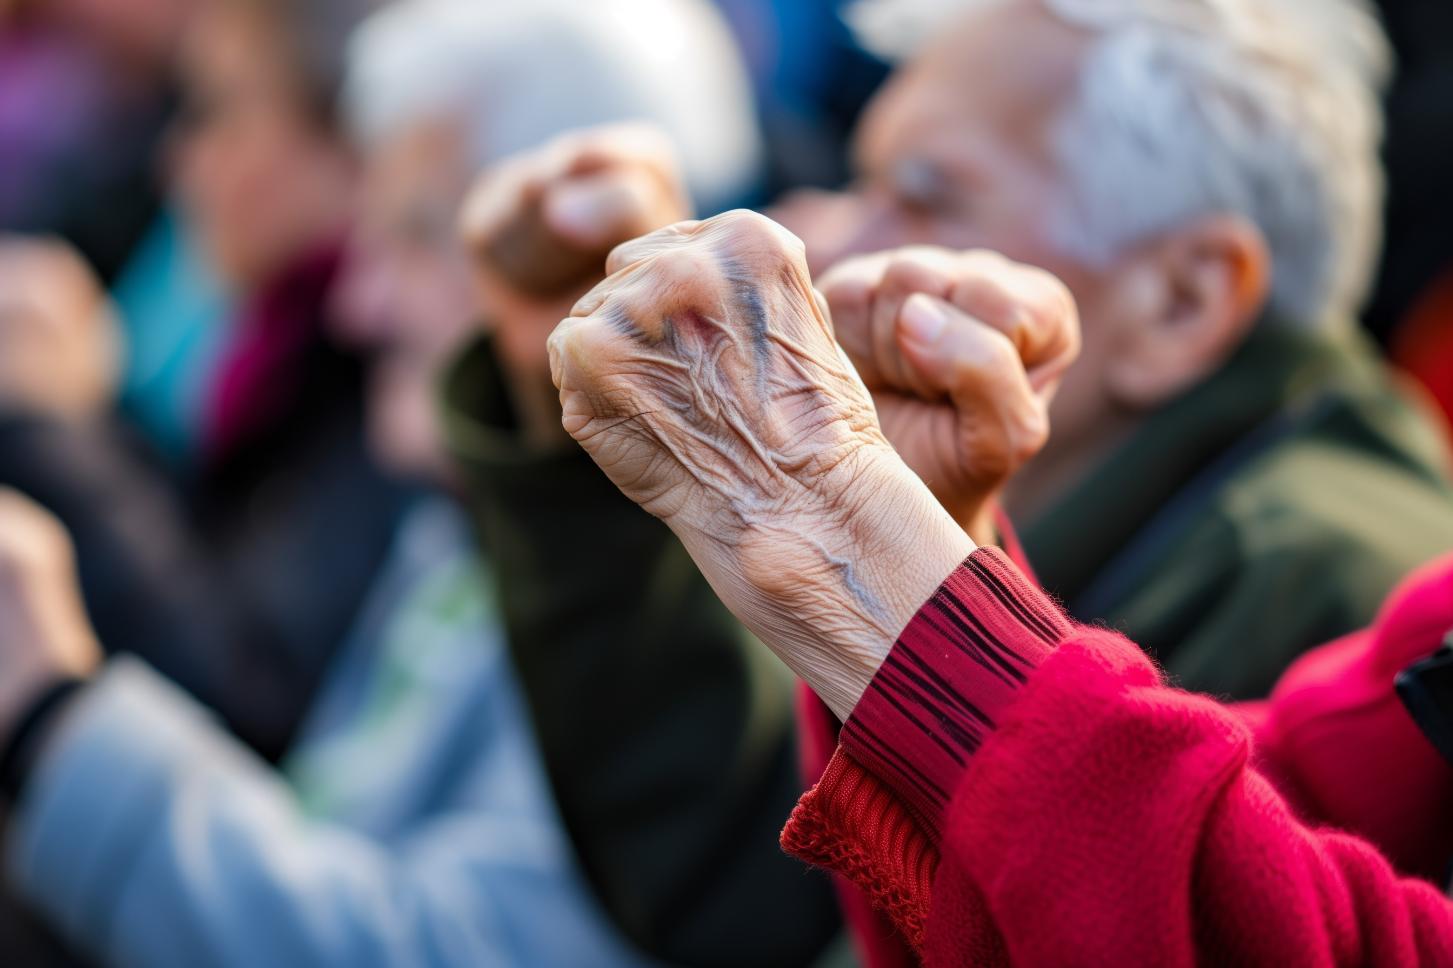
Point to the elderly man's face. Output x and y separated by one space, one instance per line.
956 151
406 294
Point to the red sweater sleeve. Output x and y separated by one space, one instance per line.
953 671
1109 819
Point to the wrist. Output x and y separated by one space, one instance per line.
904 540
880 548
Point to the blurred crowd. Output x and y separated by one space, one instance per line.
355 610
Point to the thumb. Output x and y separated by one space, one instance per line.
952 354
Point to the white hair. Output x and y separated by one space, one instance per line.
514 74
1265 108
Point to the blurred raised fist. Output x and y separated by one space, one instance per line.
60 346
962 352
703 377
45 635
541 224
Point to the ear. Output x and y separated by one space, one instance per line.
1199 290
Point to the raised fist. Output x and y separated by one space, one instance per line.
60 345
541 224
962 352
44 632
703 377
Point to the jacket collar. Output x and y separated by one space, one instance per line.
1275 370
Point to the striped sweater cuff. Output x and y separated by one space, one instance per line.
949 677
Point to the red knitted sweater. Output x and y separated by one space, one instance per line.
1015 789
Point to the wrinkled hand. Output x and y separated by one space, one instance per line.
541 224
60 345
703 377
962 352
45 635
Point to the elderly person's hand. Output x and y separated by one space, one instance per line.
962 352
704 379
60 345
45 636
541 224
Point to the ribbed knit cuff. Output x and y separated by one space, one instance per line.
854 825
953 671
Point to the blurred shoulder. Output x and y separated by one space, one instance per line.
1344 509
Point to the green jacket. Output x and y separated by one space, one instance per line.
1268 510
666 732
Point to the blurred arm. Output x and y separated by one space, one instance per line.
151 587
149 836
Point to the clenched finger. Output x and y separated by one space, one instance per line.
977 367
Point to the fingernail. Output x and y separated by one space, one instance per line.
923 319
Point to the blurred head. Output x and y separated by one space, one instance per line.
1181 164
438 89
259 165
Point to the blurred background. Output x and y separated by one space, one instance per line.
94 113
254 416
92 108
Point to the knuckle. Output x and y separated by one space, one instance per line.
584 347
1052 298
984 279
901 272
984 260
627 254
916 269
680 266
846 289
753 235
1052 312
